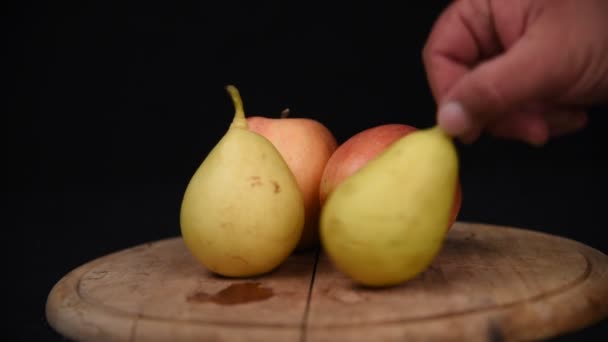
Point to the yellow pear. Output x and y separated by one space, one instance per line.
242 213
306 145
385 223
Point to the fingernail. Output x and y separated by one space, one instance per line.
453 119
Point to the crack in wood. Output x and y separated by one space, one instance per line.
73 294
304 327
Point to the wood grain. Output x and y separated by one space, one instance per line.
158 292
488 283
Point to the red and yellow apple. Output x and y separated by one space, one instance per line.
359 149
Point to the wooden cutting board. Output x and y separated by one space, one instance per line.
489 283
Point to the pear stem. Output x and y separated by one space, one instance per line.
239 120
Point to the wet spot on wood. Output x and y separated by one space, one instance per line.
234 294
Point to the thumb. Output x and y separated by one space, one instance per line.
528 72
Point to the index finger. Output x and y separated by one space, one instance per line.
461 37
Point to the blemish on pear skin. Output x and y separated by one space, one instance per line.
277 187
255 181
234 294
240 258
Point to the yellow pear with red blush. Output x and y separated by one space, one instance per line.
306 145
362 147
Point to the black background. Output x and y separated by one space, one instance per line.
116 106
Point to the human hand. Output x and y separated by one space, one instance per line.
518 69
